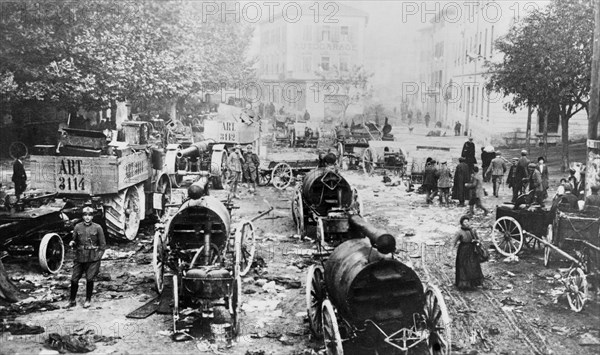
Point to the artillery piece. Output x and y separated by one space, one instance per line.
194 159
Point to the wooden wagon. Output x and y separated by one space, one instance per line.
571 235
282 173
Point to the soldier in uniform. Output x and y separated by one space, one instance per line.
234 162
251 163
89 244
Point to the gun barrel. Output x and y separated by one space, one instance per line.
384 242
193 150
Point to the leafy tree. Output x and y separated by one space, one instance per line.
546 63
349 86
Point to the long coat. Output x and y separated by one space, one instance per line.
444 177
468 152
461 177
544 171
521 171
429 177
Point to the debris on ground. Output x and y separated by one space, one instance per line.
509 301
21 329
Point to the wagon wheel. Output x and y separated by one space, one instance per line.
298 213
576 289
235 305
320 231
282 176
51 254
547 250
315 294
158 264
357 201
331 332
245 247
368 161
163 191
175 303
438 322
507 236
340 155
18 150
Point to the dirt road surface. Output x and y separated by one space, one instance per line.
521 309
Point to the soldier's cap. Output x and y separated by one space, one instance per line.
443 162
523 152
515 159
237 146
595 188
532 165
88 209
249 147
470 138
498 153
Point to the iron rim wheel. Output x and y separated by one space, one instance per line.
368 161
282 175
315 294
158 264
576 288
132 213
264 179
547 250
245 247
331 331
218 169
340 157
51 254
293 138
438 322
505 232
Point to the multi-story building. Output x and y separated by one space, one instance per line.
457 43
293 53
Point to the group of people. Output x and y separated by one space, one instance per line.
242 164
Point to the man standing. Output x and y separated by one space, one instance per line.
468 153
535 184
476 187
511 180
306 115
19 177
461 177
429 181
522 175
444 178
497 168
89 244
427 118
543 168
457 128
234 163
251 163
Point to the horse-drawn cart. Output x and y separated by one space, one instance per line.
572 236
282 173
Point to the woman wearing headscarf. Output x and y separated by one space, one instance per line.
468 267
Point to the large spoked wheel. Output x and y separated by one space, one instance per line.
298 213
281 177
162 196
51 254
507 236
547 250
315 294
175 302
321 231
576 288
331 331
245 247
369 161
292 138
158 264
264 178
218 169
438 322
235 305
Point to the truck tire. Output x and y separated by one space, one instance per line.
122 214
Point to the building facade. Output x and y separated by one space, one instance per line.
292 54
457 43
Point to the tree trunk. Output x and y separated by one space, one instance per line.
528 130
564 123
8 290
113 114
545 132
594 112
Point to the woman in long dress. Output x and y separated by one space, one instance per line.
468 268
